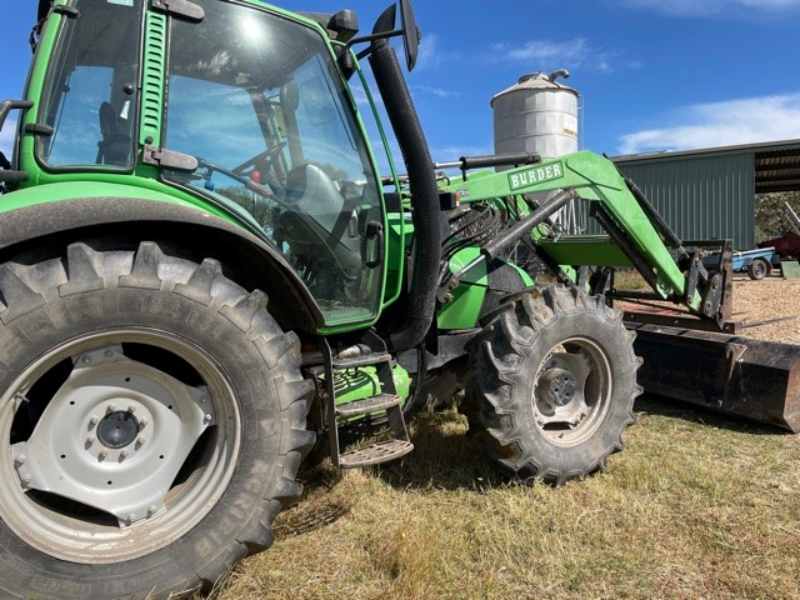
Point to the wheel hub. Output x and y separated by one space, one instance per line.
114 436
558 386
118 430
559 396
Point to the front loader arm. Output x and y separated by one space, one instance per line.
634 238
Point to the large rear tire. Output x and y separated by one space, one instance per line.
152 421
552 385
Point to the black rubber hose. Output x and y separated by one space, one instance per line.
424 192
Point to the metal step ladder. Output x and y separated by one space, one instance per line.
373 354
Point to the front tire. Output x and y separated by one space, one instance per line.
758 269
152 421
552 385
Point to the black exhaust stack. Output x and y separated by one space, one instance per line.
425 193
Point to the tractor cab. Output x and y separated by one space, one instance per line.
253 115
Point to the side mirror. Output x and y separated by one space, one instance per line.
385 29
411 33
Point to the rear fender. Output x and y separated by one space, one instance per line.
46 228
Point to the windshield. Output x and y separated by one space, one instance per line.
257 99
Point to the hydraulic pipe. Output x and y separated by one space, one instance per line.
500 243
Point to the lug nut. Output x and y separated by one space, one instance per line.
103 454
141 440
111 408
20 460
143 423
90 440
203 399
87 359
124 454
93 421
151 511
132 409
207 418
109 353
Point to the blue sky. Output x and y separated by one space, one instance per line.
654 74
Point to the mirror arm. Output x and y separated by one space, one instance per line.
347 60
375 36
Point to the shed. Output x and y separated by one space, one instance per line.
710 193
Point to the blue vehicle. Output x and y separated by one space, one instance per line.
758 262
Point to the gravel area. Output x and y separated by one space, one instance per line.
769 298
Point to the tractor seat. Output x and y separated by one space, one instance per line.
115 147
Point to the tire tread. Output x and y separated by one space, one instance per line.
490 404
84 269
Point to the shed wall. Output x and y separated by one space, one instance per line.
701 197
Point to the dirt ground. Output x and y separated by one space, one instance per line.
770 298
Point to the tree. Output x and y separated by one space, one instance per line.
770 220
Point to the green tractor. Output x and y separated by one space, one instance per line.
204 276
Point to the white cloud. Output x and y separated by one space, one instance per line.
550 54
570 51
728 123
7 137
431 56
704 8
438 92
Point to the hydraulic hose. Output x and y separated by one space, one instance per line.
426 212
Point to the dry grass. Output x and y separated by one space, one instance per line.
629 280
697 506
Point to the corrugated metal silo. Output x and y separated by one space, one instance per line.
538 114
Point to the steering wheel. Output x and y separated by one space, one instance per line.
243 179
204 164
266 155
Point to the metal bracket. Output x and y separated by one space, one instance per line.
68 11
692 278
39 129
733 354
6 106
169 159
180 8
13 176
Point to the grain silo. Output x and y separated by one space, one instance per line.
539 115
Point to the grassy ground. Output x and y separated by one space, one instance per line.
629 280
697 506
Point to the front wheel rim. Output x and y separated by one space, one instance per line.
572 391
80 495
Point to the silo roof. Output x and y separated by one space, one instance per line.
535 81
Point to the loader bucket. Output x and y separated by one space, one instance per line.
750 378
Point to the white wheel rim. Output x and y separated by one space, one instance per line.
572 391
66 462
